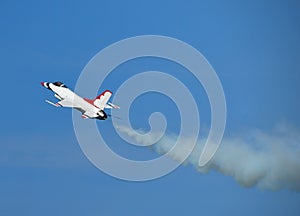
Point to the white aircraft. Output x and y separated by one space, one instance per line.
88 108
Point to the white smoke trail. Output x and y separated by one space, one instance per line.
266 160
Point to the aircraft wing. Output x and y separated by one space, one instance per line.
66 103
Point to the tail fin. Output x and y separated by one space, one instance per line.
101 100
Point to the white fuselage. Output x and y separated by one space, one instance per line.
88 108
70 99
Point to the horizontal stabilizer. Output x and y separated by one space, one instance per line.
111 106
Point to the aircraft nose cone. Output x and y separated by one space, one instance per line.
45 84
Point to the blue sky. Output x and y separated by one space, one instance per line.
252 45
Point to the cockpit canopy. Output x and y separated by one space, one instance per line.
60 84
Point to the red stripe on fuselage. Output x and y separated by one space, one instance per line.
98 97
90 102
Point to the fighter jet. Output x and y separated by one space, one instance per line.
89 108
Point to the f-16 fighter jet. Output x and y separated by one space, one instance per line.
88 108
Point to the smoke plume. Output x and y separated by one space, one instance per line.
266 160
